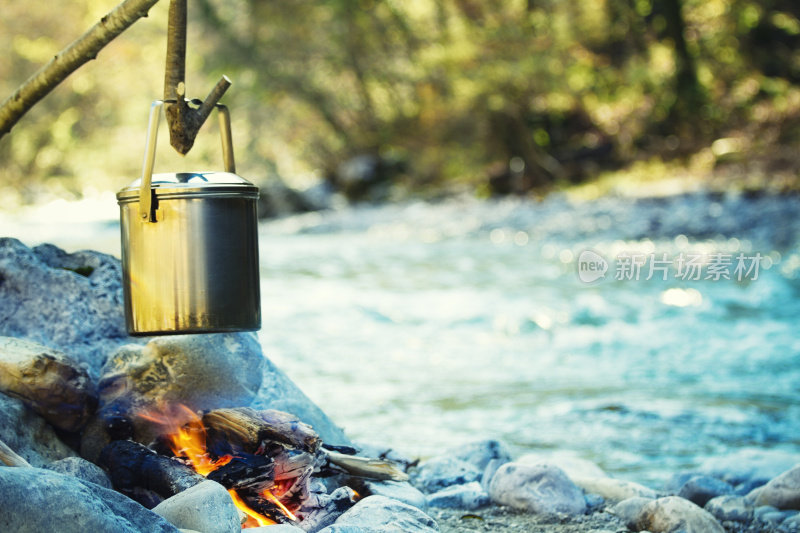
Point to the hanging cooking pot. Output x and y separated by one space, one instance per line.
190 246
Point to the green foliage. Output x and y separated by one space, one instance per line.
455 89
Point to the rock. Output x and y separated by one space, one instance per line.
791 524
68 302
48 381
37 500
488 473
468 496
678 480
378 514
730 509
775 518
381 451
441 472
630 510
536 488
198 371
397 490
279 392
749 466
673 514
81 468
761 510
28 434
275 198
700 489
783 491
73 303
613 490
573 466
206 507
479 453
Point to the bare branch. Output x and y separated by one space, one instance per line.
80 51
184 121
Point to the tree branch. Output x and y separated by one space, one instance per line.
80 51
184 121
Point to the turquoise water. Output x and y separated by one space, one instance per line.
411 331
424 326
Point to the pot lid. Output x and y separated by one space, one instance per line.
191 183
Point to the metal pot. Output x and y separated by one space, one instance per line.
190 246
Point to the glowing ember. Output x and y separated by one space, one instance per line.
267 495
187 439
253 518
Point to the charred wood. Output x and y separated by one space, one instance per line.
253 472
144 475
248 429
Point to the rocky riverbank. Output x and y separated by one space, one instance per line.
71 303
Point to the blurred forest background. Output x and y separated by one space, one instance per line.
431 96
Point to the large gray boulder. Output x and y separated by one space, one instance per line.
196 371
36 500
69 302
81 468
28 434
73 303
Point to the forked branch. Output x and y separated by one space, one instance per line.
184 121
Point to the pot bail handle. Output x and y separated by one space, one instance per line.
146 192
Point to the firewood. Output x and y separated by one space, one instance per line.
251 471
247 430
10 457
138 472
366 467
47 381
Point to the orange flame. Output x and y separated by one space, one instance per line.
253 518
267 495
187 439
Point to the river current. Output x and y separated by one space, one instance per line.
424 326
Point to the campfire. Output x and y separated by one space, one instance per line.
271 463
250 478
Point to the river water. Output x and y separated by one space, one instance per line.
424 326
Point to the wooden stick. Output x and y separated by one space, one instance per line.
366 467
10 457
80 51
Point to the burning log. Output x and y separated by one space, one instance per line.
48 381
252 471
144 475
249 429
253 431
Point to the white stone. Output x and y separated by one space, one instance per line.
783 491
378 514
206 507
536 488
673 514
